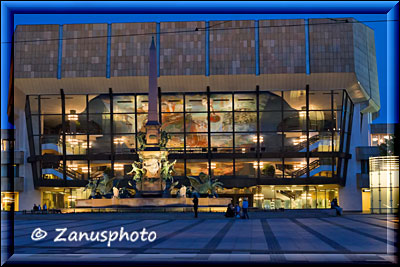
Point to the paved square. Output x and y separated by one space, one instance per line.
350 238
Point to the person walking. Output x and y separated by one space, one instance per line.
245 206
237 210
195 205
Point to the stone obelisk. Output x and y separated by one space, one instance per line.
153 124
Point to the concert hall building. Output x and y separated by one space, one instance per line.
274 109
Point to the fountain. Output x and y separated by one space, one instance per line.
152 178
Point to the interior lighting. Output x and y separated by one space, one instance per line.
386 137
85 145
118 167
72 116
119 141
85 169
258 196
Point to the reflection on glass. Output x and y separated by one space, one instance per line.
51 144
100 144
141 122
244 143
221 122
196 122
196 141
221 140
176 141
270 101
246 121
99 103
270 142
320 120
220 102
293 121
99 124
179 168
195 167
196 102
172 103
222 167
337 99
123 103
245 102
121 169
172 122
142 103
124 123
270 121
124 143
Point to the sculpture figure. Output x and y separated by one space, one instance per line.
138 170
115 192
141 137
105 184
164 139
204 184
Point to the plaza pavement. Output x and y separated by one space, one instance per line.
352 238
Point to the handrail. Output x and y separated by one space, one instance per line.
313 165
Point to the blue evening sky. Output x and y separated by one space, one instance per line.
378 27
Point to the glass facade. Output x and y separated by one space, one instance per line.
262 134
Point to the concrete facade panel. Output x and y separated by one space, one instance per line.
36 51
282 46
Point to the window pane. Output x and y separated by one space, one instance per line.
124 143
98 167
245 167
221 140
50 104
196 141
270 142
270 121
76 123
245 143
124 103
100 144
337 99
172 103
172 122
295 99
222 167
271 168
52 124
320 100
196 122
320 120
296 142
270 100
99 124
77 170
221 122
195 167
196 102
245 102
293 121
75 104
52 170
176 141
221 102
245 121
141 122
76 144
121 169
51 144
34 104
99 103
124 123
142 102
179 168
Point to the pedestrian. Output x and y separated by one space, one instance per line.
45 207
237 210
39 208
195 205
230 212
35 208
245 206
